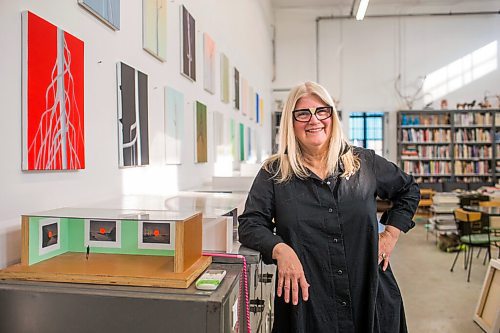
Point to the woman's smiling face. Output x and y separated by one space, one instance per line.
315 134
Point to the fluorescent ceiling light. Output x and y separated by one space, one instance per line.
362 9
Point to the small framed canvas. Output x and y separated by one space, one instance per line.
201 140
156 235
154 28
487 314
208 63
224 78
242 142
251 103
232 139
188 46
174 125
236 89
133 115
220 147
103 233
49 230
108 11
244 96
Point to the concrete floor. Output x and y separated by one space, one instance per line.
435 299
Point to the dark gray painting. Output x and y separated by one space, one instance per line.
132 116
188 45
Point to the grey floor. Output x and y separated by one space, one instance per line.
435 299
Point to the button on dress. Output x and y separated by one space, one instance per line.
332 226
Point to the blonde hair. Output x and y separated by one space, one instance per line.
289 160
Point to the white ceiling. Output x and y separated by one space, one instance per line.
348 3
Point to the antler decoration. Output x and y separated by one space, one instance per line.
410 99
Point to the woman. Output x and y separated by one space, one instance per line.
319 193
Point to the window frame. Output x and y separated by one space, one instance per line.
365 116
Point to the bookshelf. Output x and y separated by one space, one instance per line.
450 145
275 128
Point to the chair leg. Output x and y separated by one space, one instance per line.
466 256
454 261
470 263
485 255
479 252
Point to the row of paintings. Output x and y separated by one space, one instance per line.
250 104
53 92
224 137
133 122
154 42
100 233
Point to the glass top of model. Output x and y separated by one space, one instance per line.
116 214
212 205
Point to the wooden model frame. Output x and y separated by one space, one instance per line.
177 271
487 314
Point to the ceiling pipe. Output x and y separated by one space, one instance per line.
352 8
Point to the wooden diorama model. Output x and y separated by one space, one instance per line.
108 246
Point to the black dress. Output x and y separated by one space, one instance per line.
332 226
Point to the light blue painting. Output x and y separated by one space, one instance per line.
108 11
174 125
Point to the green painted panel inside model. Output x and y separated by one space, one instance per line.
72 239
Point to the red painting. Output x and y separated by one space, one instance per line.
53 77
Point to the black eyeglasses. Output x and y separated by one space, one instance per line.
321 113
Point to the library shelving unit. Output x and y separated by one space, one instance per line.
450 145
275 128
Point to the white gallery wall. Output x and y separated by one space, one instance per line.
359 62
241 29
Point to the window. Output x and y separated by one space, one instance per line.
366 129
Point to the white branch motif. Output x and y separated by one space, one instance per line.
55 144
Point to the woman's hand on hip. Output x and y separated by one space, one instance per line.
290 274
386 242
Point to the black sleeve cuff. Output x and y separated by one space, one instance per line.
267 248
400 221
